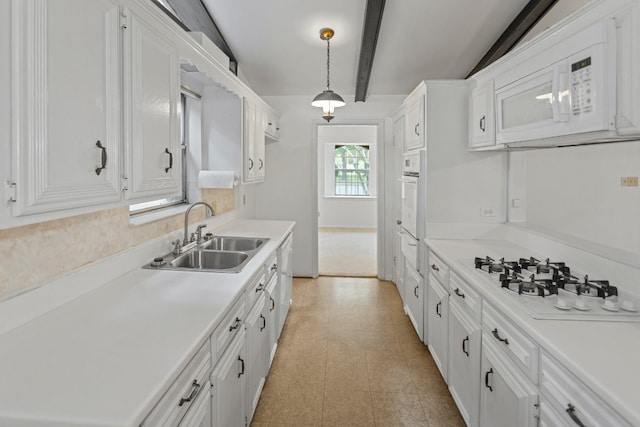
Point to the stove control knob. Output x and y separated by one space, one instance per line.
563 304
629 306
610 305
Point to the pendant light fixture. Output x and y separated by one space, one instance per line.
327 99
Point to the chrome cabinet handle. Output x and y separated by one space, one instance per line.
250 163
415 129
166 170
103 157
415 291
438 309
498 337
464 347
457 292
274 267
482 123
195 387
571 410
435 267
264 323
273 304
241 360
235 325
486 379
261 164
259 288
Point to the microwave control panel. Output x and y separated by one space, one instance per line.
581 89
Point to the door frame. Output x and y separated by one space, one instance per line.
384 149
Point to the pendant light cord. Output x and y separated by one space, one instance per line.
328 65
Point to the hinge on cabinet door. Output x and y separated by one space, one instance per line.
123 21
246 421
211 390
536 413
125 184
11 192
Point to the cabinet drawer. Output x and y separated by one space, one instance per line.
572 399
438 268
271 266
255 288
191 383
464 294
515 344
228 328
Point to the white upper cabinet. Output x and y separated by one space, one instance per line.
66 104
256 119
152 129
414 132
481 125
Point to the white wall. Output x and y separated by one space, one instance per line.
290 187
575 193
350 212
560 10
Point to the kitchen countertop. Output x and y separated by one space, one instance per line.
107 357
607 366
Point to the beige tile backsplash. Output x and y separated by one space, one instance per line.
34 253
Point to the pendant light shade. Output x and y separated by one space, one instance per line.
328 100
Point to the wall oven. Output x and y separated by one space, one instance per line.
412 211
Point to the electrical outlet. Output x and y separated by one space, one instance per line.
629 181
487 212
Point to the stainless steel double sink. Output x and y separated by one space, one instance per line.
222 254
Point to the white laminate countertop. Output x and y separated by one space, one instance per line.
106 358
603 355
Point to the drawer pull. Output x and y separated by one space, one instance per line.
274 267
273 304
166 170
260 287
264 323
195 387
435 267
103 157
464 347
415 291
486 379
498 337
439 309
460 294
241 360
235 325
571 410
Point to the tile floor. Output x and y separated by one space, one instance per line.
348 356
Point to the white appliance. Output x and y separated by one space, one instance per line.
412 209
564 94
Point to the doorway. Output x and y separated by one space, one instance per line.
348 200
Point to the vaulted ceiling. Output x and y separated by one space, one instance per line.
279 52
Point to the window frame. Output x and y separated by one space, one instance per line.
329 175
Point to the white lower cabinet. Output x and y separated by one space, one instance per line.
464 362
414 294
438 323
399 267
228 385
565 401
285 280
256 364
272 295
507 397
200 414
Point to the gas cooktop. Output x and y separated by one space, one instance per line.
552 290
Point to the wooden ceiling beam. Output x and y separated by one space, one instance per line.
526 19
371 29
194 16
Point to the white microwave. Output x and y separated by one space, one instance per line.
561 95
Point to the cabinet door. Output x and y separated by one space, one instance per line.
249 160
464 363
260 125
66 104
438 312
414 289
256 324
507 398
271 309
285 278
399 261
481 127
228 382
414 133
152 128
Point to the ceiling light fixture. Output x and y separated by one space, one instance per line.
327 99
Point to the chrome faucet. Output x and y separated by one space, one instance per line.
186 240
